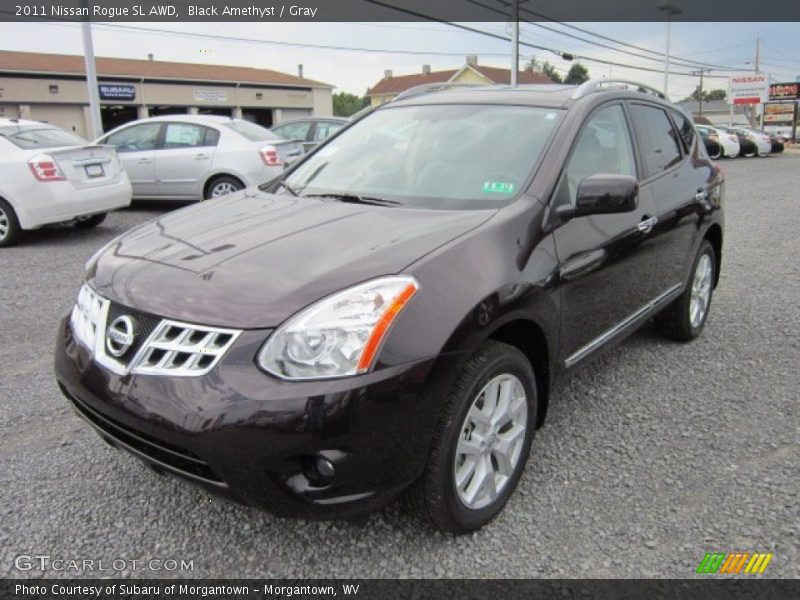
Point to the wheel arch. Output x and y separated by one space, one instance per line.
216 175
529 338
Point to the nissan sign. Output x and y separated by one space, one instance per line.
748 88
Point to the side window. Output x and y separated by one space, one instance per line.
184 135
135 138
603 146
685 129
293 131
212 137
657 138
326 129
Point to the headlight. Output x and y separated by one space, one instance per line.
339 335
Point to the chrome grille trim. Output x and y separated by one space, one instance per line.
173 348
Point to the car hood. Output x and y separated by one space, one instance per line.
253 259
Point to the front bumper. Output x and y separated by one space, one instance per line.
241 433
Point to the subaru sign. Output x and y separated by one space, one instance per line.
113 91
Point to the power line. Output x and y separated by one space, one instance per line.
211 36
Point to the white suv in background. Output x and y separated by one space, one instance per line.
196 157
48 175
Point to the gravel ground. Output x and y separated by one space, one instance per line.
650 457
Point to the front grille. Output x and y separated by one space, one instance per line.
145 323
164 454
159 346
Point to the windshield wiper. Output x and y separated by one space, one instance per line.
288 188
356 199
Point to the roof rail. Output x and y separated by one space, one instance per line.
594 85
427 88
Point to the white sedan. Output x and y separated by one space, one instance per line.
48 175
196 157
729 142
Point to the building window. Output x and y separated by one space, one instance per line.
53 89
259 96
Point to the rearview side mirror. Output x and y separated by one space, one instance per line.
603 194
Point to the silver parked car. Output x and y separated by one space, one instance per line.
195 157
311 131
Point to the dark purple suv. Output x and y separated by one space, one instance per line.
390 314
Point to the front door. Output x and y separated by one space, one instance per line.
136 146
606 262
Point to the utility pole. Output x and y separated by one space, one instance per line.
701 72
91 81
671 9
515 42
754 110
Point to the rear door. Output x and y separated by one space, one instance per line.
606 262
185 156
136 146
676 179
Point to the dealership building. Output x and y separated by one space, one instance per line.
52 88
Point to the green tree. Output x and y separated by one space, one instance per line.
716 95
346 105
532 65
551 72
577 74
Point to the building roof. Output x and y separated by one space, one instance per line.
710 106
67 64
401 83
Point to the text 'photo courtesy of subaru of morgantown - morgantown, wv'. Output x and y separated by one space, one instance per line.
387 316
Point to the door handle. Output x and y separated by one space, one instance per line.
701 195
646 224
145 161
200 156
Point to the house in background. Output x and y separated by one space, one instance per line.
471 73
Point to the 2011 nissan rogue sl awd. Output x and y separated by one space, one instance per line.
391 312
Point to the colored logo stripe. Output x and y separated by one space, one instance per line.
720 562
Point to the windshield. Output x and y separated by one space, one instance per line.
253 132
29 137
454 156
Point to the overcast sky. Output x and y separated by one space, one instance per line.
730 45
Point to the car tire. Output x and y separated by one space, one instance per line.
222 186
438 497
680 320
717 155
90 221
749 154
10 231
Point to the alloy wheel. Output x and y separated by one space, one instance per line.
223 188
701 290
490 442
4 224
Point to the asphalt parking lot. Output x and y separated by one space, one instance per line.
651 456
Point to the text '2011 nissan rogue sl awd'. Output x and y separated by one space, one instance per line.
390 314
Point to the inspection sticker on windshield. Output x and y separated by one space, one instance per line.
498 187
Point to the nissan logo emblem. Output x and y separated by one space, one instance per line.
120 335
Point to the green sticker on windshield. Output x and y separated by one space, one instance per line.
498 187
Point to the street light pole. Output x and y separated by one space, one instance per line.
671 9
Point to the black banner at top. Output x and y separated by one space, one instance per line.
401 10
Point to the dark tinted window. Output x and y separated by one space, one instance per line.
603 146
685 128
212 137
29 137
657 138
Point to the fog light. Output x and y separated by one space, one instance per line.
325 468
